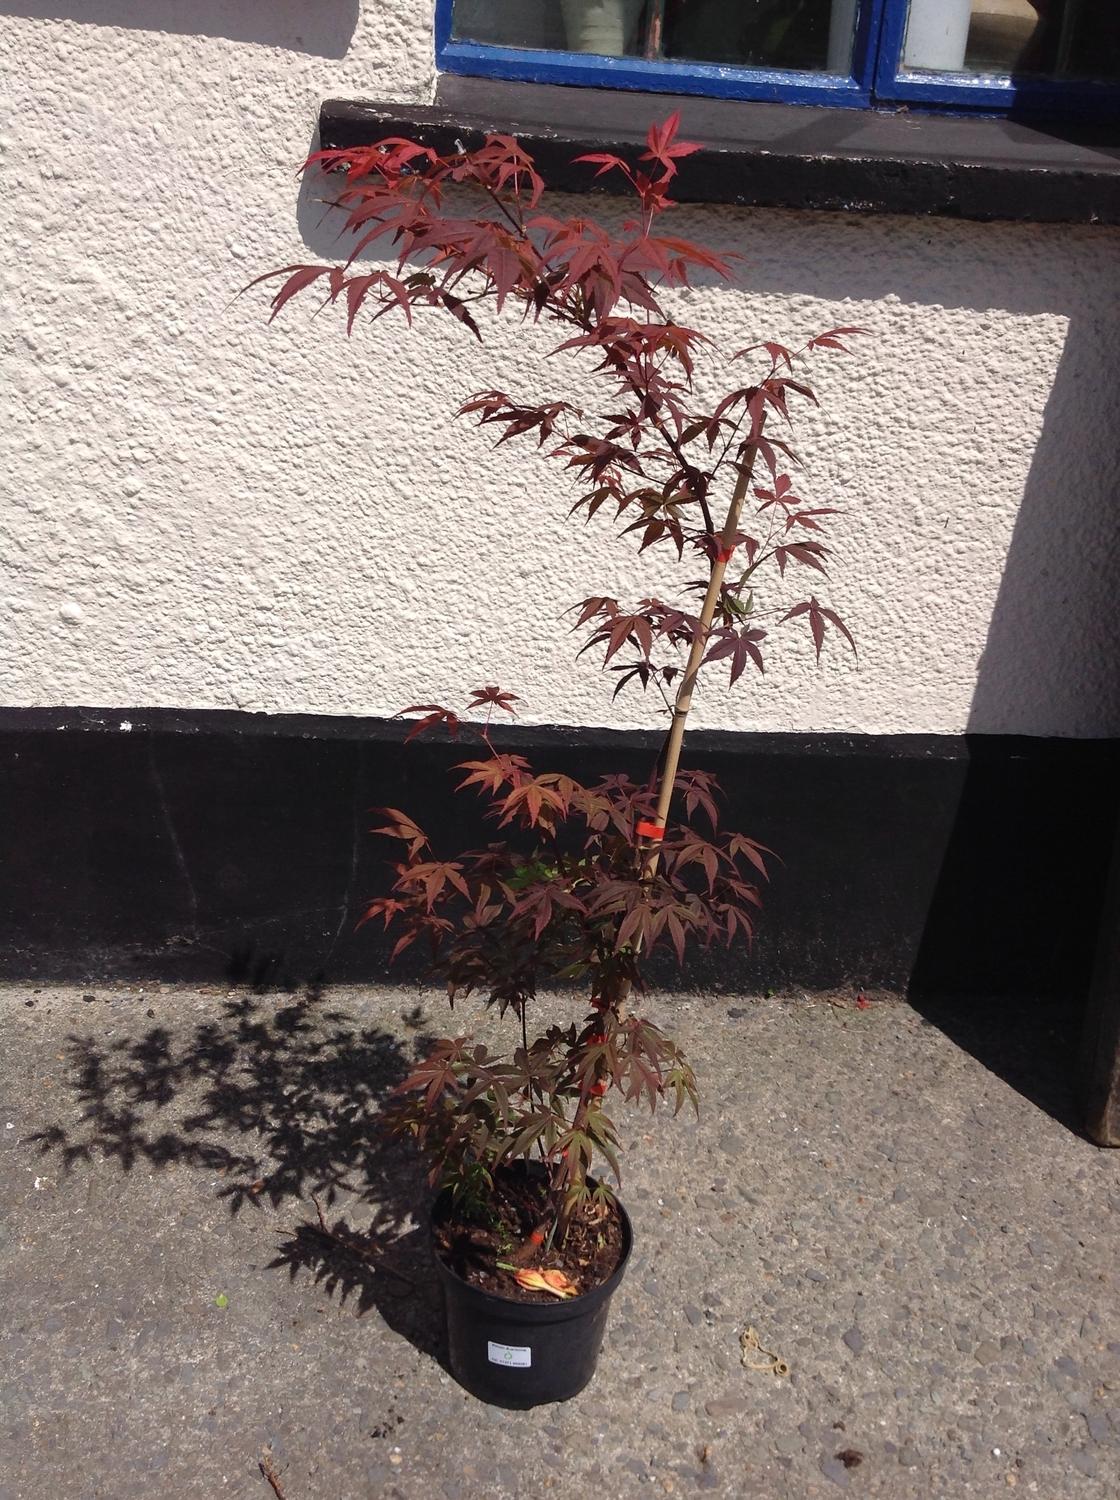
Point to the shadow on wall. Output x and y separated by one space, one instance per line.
321 29
1053 647
1053 640
1054 634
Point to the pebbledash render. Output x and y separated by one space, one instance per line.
221 543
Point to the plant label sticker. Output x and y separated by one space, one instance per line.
509 1355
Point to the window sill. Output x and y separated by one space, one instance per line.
777 155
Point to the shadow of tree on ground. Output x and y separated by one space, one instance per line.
281 1098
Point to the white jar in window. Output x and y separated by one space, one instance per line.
937 35
606 27
841 32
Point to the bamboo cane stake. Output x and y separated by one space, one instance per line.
683 702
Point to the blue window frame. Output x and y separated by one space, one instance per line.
878 75
998 93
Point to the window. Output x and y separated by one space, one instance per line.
1050 56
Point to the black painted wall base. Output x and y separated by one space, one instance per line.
218 846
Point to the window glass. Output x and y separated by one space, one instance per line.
509 23
1042 55
1078 39
805 35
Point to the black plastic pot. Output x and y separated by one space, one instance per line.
524 1353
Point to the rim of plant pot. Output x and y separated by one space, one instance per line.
533 1312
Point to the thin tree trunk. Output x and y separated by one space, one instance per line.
670 760
671 754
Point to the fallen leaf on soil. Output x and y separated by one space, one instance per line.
545 1281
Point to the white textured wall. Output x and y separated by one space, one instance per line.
201 511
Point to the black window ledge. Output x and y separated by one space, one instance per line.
777 155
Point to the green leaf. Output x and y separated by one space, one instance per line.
221 1300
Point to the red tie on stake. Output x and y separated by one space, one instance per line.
655 832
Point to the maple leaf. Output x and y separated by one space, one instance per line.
693 849
739 646
386 907
399 825
298 278
533 801
699 788
596 605
434 714
817 617
662 145
738 844
606 162
831 339
493 697
435 875
807 519
809 554
493 774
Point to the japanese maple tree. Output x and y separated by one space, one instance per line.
585 881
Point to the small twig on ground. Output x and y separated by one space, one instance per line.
363 1252
268 1469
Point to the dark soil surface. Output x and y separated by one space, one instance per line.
486 1251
